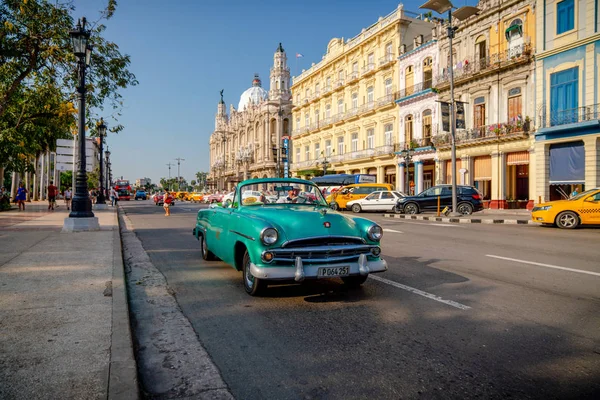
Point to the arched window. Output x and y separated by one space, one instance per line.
427 73
481 51
409 80
514 37
408 129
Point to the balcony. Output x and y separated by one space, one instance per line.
299 131
337 117
353 76
423 143
352 112
386 60
326 90
387 149
388 99
577 115
493 63
415 89
368 69
302 164
315 96
489 133
339 84
366 107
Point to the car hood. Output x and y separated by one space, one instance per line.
555 203
296 222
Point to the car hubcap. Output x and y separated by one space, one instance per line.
464 209
567 220
411 209
249 277
204 251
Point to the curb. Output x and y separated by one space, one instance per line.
464 220
123 380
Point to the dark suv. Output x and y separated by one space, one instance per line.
468 200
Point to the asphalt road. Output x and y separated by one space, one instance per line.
465 311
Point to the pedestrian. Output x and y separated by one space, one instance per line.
21 196
52 192
167 204
114 196
68 196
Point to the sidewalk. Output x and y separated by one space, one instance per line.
63 308
488 216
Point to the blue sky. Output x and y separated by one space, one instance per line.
185 51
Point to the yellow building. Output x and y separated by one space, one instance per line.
344 113
494 78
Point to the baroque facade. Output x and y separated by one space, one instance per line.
567 142
494 79
247 142
344 114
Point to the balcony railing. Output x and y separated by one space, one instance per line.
352 112
339 83
414 89
490 63
326 90
571 116
504 130
338 117
387 99
353 76
368 68
388 58
366 107
416 143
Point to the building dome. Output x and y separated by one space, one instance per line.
255 94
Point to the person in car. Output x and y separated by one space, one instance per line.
292 197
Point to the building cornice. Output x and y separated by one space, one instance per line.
562 49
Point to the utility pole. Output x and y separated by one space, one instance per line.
170 165
179 160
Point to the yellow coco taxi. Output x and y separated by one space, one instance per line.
583 209
339 200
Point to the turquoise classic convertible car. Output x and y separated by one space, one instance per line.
288 234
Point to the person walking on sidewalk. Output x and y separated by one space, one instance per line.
21 196
114 196
52 191
68 196
167 204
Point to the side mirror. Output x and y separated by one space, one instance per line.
591 199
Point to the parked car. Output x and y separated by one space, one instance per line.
228 198
581 209
468 200
214 198
384 200
159 199
292 241
141 194
339 199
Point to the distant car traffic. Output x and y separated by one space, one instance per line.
384 200
468 200
581 209
214 198
141 194
159 199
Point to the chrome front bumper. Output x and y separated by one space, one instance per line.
299 271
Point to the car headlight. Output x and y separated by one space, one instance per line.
269 236
375 233
543 208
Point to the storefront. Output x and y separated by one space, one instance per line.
390 175
482 176
517 179
567 169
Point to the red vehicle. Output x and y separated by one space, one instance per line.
214 198
159 199
123 189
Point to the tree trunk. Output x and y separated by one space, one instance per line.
14 185
36 193
28 194
42 174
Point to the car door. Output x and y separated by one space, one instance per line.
370 202
387 201
428 198
590 209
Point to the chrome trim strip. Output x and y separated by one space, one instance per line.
299 274
289 242
288 273
325 249
242 235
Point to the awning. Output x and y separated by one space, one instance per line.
567 163
482 168
517 158
449 170
390 170
372 171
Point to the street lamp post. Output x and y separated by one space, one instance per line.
107 163
325 164
407 154
101 133
441 6
81 216
179 160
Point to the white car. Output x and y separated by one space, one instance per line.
383 200
228 198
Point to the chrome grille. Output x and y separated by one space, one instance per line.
321 254
324 241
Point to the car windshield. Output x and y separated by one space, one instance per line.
281 192
583 194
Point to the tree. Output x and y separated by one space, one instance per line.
38 77
201 176
66 180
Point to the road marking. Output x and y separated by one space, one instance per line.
544 265
420 292
391 230
432 224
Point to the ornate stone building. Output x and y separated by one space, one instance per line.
247 143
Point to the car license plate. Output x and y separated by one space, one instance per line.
332 272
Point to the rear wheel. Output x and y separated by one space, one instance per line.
252 285
354 281
465 209
356 208
411 208
206 254
567 220
335 207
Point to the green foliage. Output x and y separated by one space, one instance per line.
38 76
66 180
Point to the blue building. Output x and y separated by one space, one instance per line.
566 148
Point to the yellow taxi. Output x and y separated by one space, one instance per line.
340 199
196 197
581 209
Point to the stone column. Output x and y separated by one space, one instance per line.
41 177
441 167
48 173
592 162
380 174
36 174
418 176
467 163
401 178
28 195
498 200
532 179
14 185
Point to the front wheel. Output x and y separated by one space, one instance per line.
354 281
252 285
567 220
465 209
206 254
411 208
335 207
356 208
